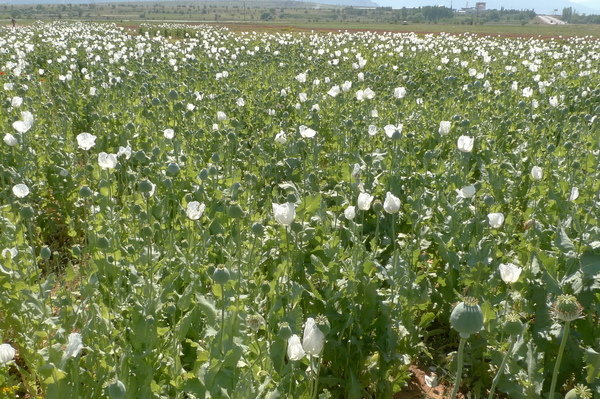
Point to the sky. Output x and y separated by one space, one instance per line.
540 6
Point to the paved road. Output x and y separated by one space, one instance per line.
550 20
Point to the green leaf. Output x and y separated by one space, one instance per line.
590 263
310 205
194 386
592 358
564 243
208 308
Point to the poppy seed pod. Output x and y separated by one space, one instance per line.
566 308
221 275
513 326
579 392
117 390
467 317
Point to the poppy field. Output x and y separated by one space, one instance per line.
187 212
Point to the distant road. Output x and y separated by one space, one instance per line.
550 20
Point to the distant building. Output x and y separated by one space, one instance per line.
480 6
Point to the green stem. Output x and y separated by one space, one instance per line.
459 366
316 382
559 359
222 318
502 366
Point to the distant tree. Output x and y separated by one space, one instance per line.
567 14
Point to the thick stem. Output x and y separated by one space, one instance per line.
502 366
459 365
559 358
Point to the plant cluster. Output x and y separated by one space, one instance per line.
296 215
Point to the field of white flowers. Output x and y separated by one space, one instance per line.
192 213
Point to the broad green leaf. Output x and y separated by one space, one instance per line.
564 243
592 358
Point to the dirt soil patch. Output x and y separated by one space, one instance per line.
418 389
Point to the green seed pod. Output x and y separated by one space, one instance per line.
172 169
103 243
285 332
513 326
27 212
221 275
489 200
265 288
579 392
258 229
467 317
146 232
173 95
235 211
85 192
117 390
377 206
566 308
145 186
45 253
203 174
568 145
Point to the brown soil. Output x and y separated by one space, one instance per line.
418 389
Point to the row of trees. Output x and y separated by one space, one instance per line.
572 17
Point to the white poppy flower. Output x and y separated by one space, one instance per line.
195 210
74 345
124 151
445 127
20 190
334 91
391 203
16 102
467 191
7 353
169 134
465 143
10 140
25 124
284 213
496 220
107 161
350 212
364 201
509 272
399 92
306 132
313 339
537 173
281 137
574 194
86 140
390 130
295 351
346 86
